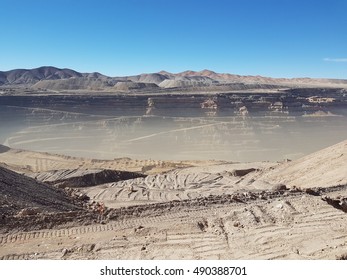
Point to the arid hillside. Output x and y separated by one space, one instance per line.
49 78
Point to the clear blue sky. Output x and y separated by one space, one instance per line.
278 38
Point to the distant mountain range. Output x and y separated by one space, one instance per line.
52 78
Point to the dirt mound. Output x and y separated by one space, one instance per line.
127 86
187 82
84 178
73 84
327 167
21 195
155 78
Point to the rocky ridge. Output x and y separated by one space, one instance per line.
52 78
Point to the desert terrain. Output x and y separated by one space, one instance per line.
289 210
194 165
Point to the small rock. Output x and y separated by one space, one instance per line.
343 204
279 187
28 212
280 206
294 189
91 247
236 224
138 229
312 192
64 251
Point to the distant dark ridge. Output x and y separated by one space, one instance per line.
84 178
52 78
4 149
32 76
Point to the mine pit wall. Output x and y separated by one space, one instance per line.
288 104
294 102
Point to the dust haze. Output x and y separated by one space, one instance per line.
144 127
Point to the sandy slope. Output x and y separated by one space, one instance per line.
18 192
28 162
327 167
